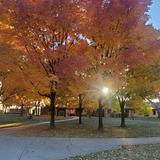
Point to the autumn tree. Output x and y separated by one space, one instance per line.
74 75
13 82
7 69
145 83
119 40
47 31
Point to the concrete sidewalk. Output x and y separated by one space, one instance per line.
25 148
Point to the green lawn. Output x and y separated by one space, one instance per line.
136 128
7 120
10 120
130 152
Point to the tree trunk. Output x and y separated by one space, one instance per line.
36 109
52 107
22 110
122 115
5 110
80 109
158 112
100 125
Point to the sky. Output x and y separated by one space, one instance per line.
154 14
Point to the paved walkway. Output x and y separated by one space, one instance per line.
34 148
9 130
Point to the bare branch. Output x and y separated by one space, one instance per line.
43 95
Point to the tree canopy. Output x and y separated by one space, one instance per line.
69 47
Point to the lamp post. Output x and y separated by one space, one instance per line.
103 92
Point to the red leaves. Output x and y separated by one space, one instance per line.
72 64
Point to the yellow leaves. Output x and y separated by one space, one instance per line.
47 101
156 85
141 107
5 26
